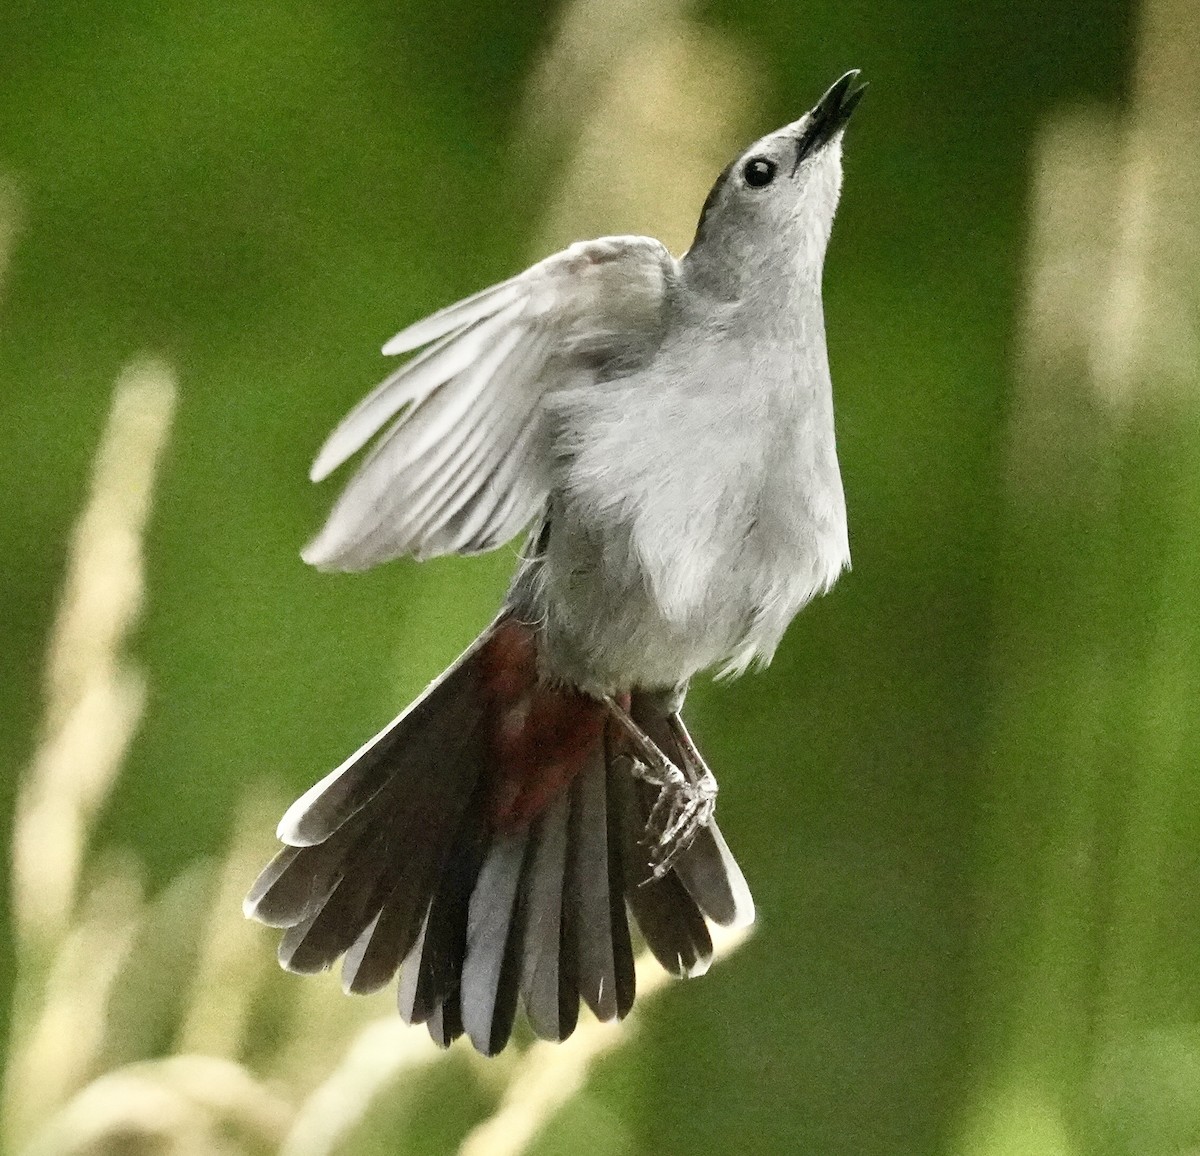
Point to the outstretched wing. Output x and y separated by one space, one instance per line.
462 467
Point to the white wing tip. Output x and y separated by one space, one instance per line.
317 553
323 465
334 551
397 344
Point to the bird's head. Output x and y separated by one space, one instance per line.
771 210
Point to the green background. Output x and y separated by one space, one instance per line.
262 192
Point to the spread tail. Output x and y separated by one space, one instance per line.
488 845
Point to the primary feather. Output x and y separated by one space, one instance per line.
463 465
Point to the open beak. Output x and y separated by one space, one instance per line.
829 116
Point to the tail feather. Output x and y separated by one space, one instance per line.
413 1005
621 878
298 882
491 970
395 846
669 919
375 956
398 860
316 942
273 902
432 971
596 879
714 880
549 976
387 852
445 1025
449 707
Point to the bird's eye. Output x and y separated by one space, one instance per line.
759 172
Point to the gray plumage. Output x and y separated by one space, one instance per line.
668 424
675 416
491 967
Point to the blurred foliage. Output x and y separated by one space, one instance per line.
964 792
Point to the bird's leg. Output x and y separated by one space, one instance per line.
656 768
701 779
687 809
687 795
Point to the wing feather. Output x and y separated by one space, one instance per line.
496 469
489 434
465 461
412 382
515 497
454 317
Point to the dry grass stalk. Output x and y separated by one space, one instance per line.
382 1052
94 700
57 1038
93 704
674 99
1112 324
10 224
184 1105
235 954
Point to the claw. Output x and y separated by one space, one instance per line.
671 787
682 822
686 797
680 811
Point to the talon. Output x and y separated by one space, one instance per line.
667 801
686 806
682 822
686 797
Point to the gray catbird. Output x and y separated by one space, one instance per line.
670 426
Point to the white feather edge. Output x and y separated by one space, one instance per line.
464 312
370 414
514 503
439 494
290 826
477 461
451 354
361 529
363 503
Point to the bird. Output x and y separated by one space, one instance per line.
663 429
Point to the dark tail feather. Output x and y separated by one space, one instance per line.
596 880
314 944
549 974
396 861
370 841
420 732
431 972
491 969
667 916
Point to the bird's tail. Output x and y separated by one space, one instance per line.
488 845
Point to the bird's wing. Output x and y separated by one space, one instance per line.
462 467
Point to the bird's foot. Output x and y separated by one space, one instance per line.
687 796
684 805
